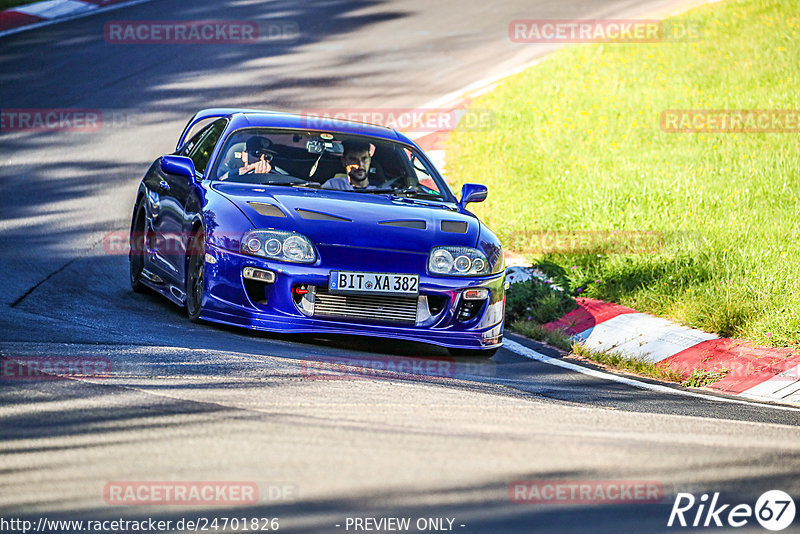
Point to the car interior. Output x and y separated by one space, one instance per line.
313 158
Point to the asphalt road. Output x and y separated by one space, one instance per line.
192 402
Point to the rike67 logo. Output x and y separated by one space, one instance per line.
774 510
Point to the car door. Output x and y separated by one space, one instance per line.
174 191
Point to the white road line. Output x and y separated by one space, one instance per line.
53 9
485 85
531 354
77 15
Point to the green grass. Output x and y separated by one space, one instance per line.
5 4
536 301
701 378
576 145
628 363
540 333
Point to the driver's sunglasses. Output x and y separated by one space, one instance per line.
258 153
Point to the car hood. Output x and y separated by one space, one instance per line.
354 219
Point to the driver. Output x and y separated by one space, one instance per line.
357 158
256 157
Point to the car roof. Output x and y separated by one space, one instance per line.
275 119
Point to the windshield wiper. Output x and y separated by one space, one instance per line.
294 182
376 191
412 192
409 191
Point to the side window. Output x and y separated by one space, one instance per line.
194 134
423 174
202 145
190 144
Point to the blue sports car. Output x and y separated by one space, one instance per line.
298 224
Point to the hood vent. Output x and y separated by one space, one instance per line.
267 210
454 227
319 216
419 225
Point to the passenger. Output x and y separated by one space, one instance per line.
356 160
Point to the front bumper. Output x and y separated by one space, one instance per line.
228 301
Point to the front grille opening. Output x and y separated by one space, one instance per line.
469 309
365 308
436 303
256 292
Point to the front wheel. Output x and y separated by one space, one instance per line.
138 250
487 353
194 276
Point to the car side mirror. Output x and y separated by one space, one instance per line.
473 193
178 165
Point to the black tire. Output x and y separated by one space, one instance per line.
474 353
138 250
195 266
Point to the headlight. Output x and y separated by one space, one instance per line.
457 261
279 245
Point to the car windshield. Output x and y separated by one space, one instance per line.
318 160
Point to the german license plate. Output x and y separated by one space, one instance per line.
374 283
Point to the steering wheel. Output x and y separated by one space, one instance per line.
393 182
253 171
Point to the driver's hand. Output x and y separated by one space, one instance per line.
259 167
262 166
